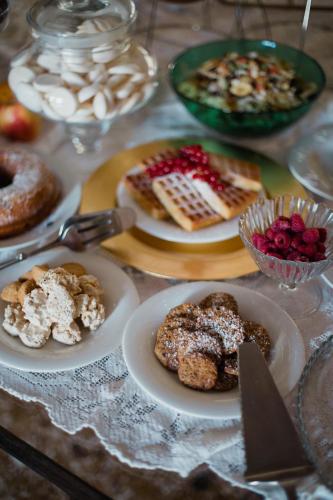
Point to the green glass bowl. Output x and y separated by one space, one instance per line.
245 124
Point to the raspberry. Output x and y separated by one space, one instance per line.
271 253
265 247
322 234
297 223
281 224
195 154
293 255
311 235
321 248
270 234
319 256
302 258
258 238
296 241
309 249
282 240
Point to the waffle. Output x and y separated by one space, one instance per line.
151 160
230 202
239 173
183 202
139 187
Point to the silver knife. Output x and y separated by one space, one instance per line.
272 446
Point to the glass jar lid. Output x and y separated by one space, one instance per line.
81 23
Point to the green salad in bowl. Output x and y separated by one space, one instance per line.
246 87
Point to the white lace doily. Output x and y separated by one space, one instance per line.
133 426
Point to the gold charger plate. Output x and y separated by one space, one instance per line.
227 259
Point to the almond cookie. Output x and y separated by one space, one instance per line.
34 336
225 382
10 292
25 288
219 299
14 320
74 268
58 276
228 325
60 305
90 311
37 272
90 285
35 309
69 334
258 334
198 371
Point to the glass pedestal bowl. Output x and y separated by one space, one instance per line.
296 293
310 162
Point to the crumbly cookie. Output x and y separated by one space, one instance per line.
90 311
14 320
10 292
69 334
258 334
90 285
166 346
204 341
25 288
225 382
231 364
58 276
74 268
198 371
37 272
228 325
34 336
35 309
60 305
219 299
184 310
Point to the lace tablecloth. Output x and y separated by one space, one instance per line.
103 396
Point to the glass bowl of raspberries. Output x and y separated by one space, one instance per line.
291 240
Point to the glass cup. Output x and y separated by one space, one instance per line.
297 294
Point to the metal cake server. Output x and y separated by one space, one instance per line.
273 450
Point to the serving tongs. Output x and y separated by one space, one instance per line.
82 232
274 454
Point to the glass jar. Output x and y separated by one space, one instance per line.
83 67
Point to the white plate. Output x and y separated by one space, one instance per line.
120 298
66 207
170 231
287 357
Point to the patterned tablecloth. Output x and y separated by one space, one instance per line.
103 396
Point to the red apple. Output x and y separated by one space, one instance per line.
18 123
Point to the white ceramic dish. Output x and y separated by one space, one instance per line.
120 299
287 357
170 231
66 207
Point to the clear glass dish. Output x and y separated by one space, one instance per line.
315 410
296 293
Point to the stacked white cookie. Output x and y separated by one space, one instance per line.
83 85
57 303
